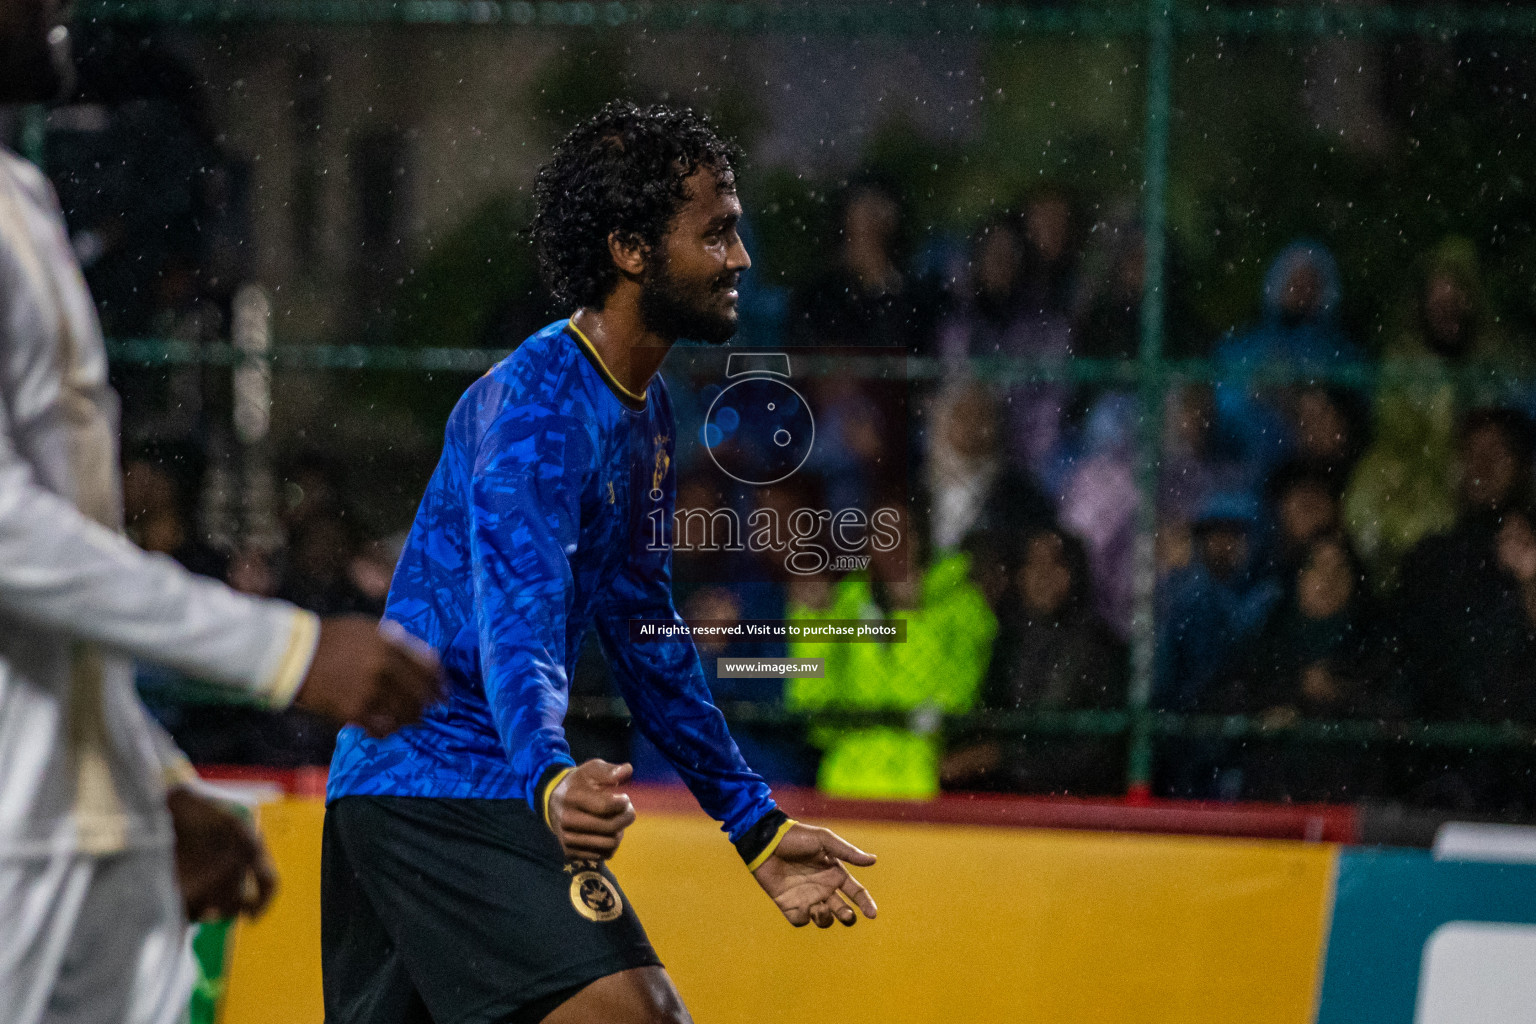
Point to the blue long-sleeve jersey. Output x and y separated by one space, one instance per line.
540 522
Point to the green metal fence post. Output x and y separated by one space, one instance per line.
34 130
1150 392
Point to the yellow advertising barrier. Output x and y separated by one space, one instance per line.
977 924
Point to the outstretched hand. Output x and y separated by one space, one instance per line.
807 879
369 673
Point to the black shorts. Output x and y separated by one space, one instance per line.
438 911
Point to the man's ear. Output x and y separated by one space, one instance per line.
628 253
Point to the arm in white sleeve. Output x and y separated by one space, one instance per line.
175 769
65 573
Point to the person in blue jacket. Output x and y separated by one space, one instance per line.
1300 332
463 875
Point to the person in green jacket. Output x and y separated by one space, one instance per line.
1404 488
938 670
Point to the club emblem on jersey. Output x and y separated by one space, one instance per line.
593 896
663 463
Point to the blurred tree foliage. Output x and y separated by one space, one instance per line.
1252 168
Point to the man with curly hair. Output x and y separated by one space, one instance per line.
463 867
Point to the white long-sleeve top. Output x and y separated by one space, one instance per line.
83 768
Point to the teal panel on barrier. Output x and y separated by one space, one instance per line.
1387 904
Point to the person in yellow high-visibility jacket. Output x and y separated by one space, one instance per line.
939 668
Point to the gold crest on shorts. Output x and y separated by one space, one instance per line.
593 896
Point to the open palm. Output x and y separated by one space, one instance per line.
807 879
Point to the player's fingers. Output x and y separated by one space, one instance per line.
228 895
620 774
596 842
579 821
821 914
418 651
844 913
418 672
401 692
599 802
851 888
376 724
592 849
843 850
797 916
260 885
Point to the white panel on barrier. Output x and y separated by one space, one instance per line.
1502 844
1478 972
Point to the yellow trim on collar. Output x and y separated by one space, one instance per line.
549 791
773 844
602 367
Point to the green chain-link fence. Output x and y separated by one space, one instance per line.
1157 25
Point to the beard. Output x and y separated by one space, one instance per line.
35 64
674 308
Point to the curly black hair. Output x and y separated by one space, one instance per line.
621 170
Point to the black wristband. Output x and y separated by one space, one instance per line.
756 839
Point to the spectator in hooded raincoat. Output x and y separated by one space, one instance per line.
1404 488
1300 330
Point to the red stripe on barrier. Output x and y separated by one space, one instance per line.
1309 822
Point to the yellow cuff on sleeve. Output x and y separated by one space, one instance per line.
773 844
178 773
549 791
303 637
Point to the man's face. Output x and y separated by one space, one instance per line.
1490 469
1303 291
689 286
34 51
1306 511
1224 548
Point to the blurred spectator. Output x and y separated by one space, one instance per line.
160 485
1211 608
1106 309
939 670
1331 429
970 486
251 572
1303 500
1209 612
1498 686
1404 487
1316 657
1014 304
1050 251
324 569
312 488
1053 653
1509 688
1192 470
855 448
868 297
1098 504
1299 330
1111 285
1454 598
